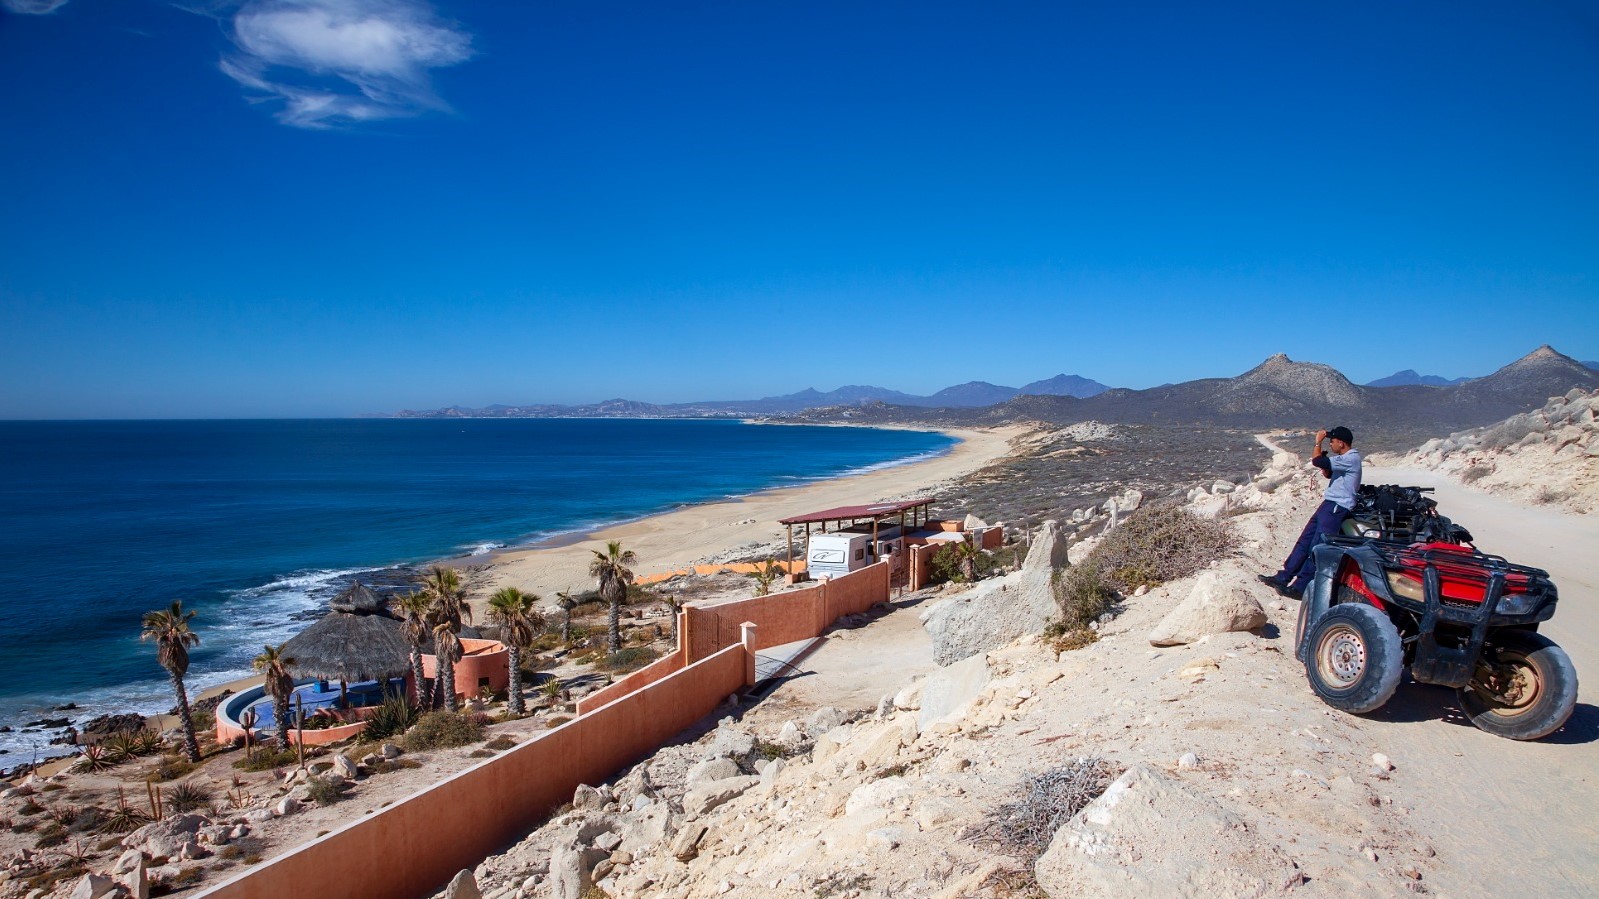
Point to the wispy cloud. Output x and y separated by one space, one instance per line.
334 62
33 7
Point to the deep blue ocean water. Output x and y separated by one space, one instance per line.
253 522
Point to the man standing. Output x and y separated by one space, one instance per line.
1342 468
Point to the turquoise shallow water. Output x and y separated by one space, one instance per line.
253 523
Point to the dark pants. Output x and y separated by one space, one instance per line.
1301 564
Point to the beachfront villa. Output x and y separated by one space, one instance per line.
346 664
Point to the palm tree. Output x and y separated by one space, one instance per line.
563 598
414 608
448 609
519 619
170 631
611 568
765 574
279 684
674 604
447 649
967 553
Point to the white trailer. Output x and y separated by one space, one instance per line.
838 553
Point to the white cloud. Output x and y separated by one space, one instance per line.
332 62
33 7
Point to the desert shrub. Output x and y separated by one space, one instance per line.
1065 638
631 658
1547 495
51 834
442 730
503 741
393 717
97 758
1157 543
1475 472
30 807
481 753
243 849
389 766
322 792
1024 827
267 759
1082 596
558 720
187 796
63 815
122 819
172 767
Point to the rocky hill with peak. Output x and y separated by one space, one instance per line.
1281 393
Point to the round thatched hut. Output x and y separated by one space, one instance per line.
358 640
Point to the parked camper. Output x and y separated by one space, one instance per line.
838 553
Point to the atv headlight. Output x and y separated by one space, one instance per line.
1516 604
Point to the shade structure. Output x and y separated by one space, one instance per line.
359 640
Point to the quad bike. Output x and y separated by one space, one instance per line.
1454 615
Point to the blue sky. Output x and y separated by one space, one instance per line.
276 208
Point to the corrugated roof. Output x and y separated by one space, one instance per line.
846 513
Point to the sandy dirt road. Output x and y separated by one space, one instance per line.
1527 812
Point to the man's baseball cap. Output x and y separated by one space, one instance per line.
1340 433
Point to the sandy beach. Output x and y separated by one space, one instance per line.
700 533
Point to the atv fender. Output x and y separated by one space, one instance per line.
1317 598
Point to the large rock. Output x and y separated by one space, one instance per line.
711 794
712 769
1221 600
999 610
1149 835
93 886
345 767
169 838
948 691
572 870
464 886
129 873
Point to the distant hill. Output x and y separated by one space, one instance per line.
1592 365
1065 385
1410 377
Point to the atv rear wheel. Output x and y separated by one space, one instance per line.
1354 658
1525 687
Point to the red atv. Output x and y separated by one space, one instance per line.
1455 616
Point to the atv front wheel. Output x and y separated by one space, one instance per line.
1354 658
1525 687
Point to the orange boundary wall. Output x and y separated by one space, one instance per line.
779 618
415 846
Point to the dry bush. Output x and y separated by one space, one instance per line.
1475 472
1158 542
1024 828
443 730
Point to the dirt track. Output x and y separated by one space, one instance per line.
1527 811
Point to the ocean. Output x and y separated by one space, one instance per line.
255 524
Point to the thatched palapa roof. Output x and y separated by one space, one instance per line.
358 640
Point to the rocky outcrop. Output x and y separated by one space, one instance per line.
999 610
1549 456
1220 601
1150 835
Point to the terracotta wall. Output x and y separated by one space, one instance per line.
643 677
484 659
412 848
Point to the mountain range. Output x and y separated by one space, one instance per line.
1279 392
972 394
